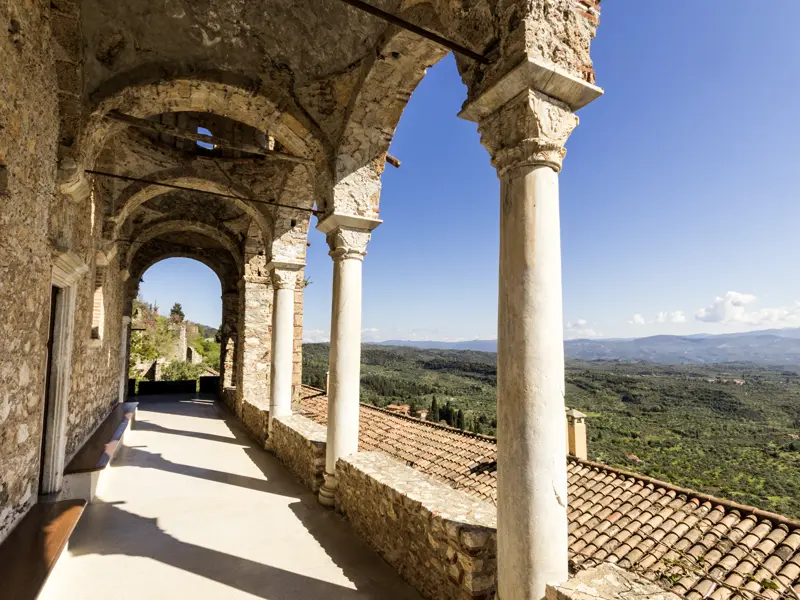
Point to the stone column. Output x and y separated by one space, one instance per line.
227 362
525 137
253 361
284 283
347 238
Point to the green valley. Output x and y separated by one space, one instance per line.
732 430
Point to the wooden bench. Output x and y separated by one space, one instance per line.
83 471
29 553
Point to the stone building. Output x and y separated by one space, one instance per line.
106 168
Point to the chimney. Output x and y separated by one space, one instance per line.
576 434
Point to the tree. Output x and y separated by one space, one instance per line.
176 313
434 412
460 419
179 370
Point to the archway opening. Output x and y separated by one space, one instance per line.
440 290
176 322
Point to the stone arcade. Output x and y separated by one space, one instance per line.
101 176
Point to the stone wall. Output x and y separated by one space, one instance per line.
608 582
94 379
254 341
440 540
255 419
299 443
29 127
229 398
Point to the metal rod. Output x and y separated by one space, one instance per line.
394 20
190 189
395 162
157 127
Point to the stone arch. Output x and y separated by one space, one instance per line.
372 117
151 231
137 194
154 89
155 251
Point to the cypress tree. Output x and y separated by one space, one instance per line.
460 419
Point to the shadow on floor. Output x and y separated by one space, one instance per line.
137 457
142 425
184 405
147 539
365 569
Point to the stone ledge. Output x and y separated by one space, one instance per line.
608 582
255 420
440 540
300 444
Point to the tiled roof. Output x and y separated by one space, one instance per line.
463 460
696 545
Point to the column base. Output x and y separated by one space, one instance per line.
327 493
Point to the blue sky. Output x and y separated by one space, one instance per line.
679 194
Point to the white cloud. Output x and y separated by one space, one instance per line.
316 336
736 308
579 329
637 320
675 316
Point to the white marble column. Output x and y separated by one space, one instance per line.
347 237
525 137
284 284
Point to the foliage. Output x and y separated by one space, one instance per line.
154 337
176 313
691 425
179 370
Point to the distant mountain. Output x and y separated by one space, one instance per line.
479 345
768 347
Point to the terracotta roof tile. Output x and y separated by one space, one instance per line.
696 545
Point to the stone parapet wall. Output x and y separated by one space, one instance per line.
255 420
300 444
608 582
440 540
229 398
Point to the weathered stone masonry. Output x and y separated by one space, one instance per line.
441 540
28 138
299 444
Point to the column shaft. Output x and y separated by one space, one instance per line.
284 283
348 247
345 361
532 478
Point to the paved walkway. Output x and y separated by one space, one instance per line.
193 509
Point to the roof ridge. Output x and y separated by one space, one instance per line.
729 504
431 424
479 436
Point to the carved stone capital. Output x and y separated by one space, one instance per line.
284 275
531 129
346 242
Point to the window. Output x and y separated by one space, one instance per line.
206 145
98 312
